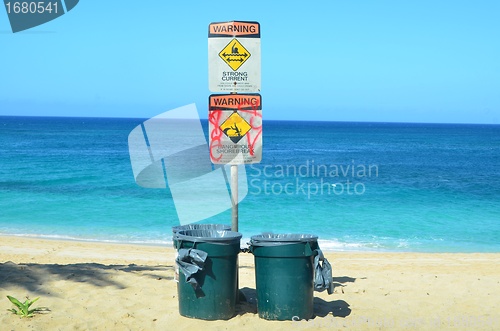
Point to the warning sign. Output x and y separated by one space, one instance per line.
235 128
234 57
234 54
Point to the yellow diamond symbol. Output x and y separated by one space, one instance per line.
234 54
235 127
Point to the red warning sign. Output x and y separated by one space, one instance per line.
235 101
234 59
235 128
233 29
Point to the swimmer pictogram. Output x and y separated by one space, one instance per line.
234 54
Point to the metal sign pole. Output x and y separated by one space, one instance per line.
234 194
234 197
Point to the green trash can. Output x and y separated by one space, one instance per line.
178 228
284 275
208 262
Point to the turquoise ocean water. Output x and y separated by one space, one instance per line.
358 186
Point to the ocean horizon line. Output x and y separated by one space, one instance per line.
267 120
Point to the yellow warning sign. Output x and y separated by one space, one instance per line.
235 127
234 54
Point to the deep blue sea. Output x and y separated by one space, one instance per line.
358 186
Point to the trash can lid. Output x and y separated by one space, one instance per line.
201 227
274 239
212 236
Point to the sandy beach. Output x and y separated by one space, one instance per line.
98 286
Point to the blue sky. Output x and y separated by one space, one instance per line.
388 61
